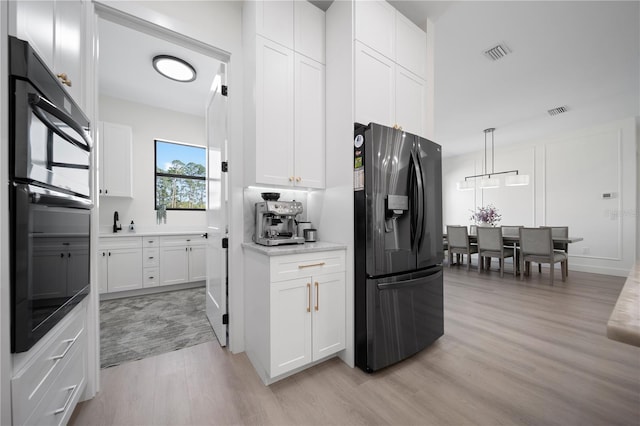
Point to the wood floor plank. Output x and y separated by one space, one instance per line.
514 353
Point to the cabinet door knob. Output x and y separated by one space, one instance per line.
309 293
150 257
290 178
298 179
64 79
317 296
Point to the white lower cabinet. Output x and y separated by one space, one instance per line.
146 261
48 381
182 259
120 264
296 310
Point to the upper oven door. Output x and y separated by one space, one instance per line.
50 148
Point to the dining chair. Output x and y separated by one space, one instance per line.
511 231
490 245
536 245
458 239
473 229
559 232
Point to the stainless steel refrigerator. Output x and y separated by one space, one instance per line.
397 246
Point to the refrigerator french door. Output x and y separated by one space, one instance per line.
398 245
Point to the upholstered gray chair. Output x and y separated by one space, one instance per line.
458 239
536 245
490 245
559 232
511 231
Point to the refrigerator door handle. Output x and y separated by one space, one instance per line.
419 182
408 283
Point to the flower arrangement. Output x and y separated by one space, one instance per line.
486 215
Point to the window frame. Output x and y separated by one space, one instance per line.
156 174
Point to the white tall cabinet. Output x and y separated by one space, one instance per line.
285 94
390 68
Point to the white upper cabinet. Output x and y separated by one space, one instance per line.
274 113
68 46
284 95
375 87
55 30
411 99
390 67
115 174
309 31
309 151
375 26
35 23
411 46
274 20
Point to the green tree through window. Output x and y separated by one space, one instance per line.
180 176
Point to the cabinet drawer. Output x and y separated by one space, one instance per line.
181 240
56 408
150 257
150 242
151 277
302 265
120 242
33 380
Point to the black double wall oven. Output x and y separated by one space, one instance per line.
50 199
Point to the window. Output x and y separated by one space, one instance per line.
180 176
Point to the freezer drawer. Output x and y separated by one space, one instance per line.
404 314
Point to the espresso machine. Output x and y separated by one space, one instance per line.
275 223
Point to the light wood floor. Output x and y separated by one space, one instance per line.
513 353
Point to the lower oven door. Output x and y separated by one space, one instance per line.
50 260
404 316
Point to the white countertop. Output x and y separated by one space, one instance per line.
293 248
126 233
624 323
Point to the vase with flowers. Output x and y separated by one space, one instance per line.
486 216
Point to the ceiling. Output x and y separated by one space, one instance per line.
584 55
126 71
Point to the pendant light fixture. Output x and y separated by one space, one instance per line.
489 179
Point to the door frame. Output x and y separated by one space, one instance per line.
93 12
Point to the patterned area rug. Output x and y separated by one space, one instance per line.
139 327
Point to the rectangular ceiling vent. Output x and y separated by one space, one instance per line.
497 52
558 110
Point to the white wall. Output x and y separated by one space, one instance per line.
149 123
568 175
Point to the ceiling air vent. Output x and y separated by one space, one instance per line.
558 110
497 52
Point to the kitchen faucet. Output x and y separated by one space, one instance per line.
116 225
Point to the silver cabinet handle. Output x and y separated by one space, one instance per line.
69 343
71 390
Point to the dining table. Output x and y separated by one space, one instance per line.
514 240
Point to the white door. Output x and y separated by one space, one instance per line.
217 208
291 307
309 122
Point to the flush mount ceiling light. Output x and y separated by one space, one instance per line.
174 68
489 179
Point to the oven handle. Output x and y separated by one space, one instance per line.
40 102
48 197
